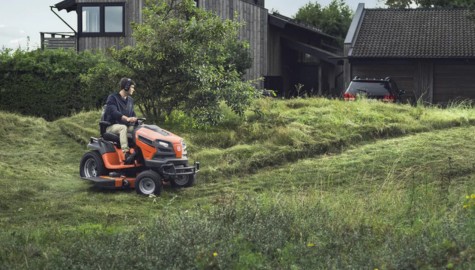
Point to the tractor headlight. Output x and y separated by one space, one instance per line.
183 146
164 144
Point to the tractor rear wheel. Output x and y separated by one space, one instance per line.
92 165
148 182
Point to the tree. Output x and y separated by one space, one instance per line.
430 3
189 59
334 19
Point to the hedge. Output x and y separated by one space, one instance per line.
48 83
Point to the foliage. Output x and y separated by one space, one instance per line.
334 19
189 59
102 78
430 3
469 202
46 83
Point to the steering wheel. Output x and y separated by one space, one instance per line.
140 121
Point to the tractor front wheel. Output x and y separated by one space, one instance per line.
182 181
148 182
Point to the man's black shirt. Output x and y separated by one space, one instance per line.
117 107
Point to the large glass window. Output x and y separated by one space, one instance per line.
91 20
113 19
101 19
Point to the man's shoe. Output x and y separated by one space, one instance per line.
129 157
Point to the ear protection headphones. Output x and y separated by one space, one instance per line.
128 84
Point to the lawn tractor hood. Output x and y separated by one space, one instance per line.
159 144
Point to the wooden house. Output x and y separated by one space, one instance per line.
102 23
430 53
284 53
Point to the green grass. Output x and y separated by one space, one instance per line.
297 184
286 131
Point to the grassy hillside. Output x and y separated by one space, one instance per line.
299 184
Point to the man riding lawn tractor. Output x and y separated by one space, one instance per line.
132 154
121 115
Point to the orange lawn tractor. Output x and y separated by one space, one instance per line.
160 157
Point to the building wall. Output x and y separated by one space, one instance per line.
254 30
274 52
432 81
453 81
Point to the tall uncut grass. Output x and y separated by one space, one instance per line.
296 184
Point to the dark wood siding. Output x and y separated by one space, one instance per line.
423 81
437 81
254 31
274 52
95 43
453 81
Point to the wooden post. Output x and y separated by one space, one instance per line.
42 40
320 80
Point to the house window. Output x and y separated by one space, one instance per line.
91 19
114 19
102 19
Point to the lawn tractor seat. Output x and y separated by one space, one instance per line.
113 137
103 126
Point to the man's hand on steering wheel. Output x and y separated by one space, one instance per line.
131 119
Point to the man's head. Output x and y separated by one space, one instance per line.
127 85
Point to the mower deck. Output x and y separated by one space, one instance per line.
111 182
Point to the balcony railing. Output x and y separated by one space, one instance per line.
57 40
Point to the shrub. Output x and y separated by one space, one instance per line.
47 83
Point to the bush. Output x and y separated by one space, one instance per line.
47 83
263 232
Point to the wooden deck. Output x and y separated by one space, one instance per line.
55 40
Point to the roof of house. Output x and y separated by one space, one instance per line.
414 33
282 21
69 5
330 43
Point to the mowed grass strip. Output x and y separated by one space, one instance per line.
437 159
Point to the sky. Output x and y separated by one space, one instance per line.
21 21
